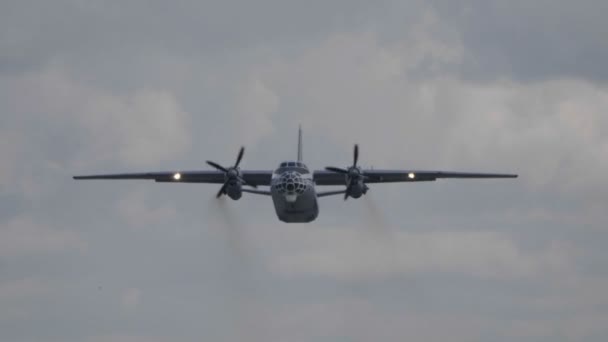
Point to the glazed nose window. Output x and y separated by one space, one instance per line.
291 183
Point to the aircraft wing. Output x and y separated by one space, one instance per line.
324 177
215 177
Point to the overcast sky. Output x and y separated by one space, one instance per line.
118 86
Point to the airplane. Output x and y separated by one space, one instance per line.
292 186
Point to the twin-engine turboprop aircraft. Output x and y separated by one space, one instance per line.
292 185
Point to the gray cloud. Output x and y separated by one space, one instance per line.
95 87
479 254
530 41
21 236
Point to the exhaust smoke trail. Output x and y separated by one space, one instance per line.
382 237
232 229
240 279
375 217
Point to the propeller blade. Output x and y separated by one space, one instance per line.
222 190
231 173
336 169
240 156
217 166
348 187
356 155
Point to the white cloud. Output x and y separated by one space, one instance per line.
21 289
138 213
128 338
23 236
391 86
255 104
138 129
10 149
551 132
14 293
130 299
345 253
361 320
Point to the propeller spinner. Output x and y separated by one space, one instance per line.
354 184
232 174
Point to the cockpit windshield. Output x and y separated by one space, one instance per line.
292 166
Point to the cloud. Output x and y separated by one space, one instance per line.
23 237
137 213
355 254
529 41
127 338
362 321
137 129
255 105
21 289
130 299
551 132
15 292
466 85
10 145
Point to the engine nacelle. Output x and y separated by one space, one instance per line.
234 190
357 190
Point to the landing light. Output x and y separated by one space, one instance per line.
177 176
411 175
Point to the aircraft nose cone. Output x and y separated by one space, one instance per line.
291 183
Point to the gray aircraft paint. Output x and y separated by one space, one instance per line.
292 184
293 191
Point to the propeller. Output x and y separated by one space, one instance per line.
231 173
353 173
351 170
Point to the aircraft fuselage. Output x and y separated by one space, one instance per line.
293 193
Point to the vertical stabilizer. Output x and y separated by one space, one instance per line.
300 143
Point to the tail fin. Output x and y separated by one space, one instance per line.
300 143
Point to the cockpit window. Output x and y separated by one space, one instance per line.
293 166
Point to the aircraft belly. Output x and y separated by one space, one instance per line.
303 209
